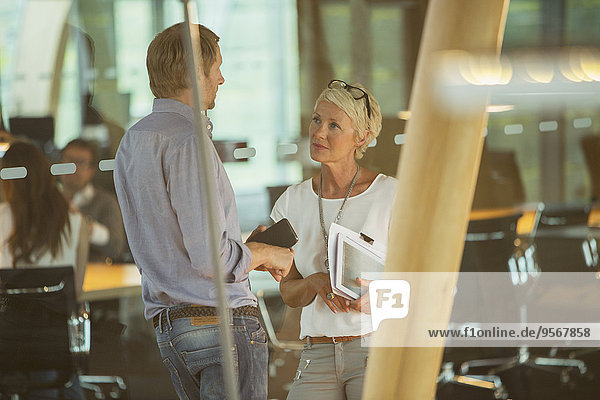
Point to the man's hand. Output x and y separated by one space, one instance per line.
259 229
276 260
279 263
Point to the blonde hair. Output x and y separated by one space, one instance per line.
357 111
166 59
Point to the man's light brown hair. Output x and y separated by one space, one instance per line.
166 59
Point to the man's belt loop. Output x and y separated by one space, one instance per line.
159 322
169 326
230 316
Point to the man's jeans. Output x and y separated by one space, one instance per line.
192 353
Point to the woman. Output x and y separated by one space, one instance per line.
37 229
346 119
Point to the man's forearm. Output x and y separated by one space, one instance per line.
269 257
259 254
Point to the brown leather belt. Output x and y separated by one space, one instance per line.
201 311
327 339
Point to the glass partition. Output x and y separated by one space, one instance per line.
76 69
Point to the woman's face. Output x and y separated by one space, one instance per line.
331 134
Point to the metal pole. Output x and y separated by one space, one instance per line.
191 40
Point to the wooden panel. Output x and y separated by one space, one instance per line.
437 175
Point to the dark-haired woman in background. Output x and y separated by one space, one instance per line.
37 229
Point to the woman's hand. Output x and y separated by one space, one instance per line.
321 283
362 304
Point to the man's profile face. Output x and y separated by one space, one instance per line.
210 83
85 171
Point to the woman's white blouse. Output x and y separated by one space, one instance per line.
68 254
369 213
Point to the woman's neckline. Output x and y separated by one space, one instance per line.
310 182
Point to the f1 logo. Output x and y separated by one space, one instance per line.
390 299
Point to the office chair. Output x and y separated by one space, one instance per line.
489 244
563 241
468 387
115 384
527 261
590 147
40 329
564 244
561 215
43 328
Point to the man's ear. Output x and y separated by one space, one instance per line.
364 139
200 71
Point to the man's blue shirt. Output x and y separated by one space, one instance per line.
159 187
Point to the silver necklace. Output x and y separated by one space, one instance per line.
339 214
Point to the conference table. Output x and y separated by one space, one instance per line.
527 221
104 281
112 281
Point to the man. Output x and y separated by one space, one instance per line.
107 237
160 187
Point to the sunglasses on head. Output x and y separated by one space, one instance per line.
356 92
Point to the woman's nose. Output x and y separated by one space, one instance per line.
320 132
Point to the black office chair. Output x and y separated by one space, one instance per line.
489 245
563 242
468 387
529 259
40 330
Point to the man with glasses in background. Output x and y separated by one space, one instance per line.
160 190
107 236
